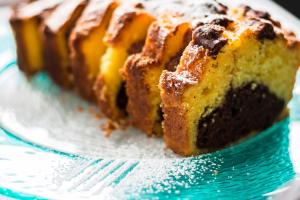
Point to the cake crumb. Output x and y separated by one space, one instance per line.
98 115
108 127
123 125
80 109
95 113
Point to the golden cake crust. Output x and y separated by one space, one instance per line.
63 15
93 16
134 73
33 9
121 19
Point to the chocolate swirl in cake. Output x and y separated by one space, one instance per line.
244 109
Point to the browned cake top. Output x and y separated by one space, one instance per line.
208 39
198 13
63 14
34 9
264 26
175 14
123 15
128 10
93 15
157 37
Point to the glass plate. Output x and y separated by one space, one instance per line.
52 147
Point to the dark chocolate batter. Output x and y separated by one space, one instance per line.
244 110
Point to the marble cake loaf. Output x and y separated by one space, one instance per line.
198 73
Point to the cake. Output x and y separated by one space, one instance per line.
87 46
233 79
199 74
125 36
58 27
27 21
166 40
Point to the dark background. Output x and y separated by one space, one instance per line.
291 5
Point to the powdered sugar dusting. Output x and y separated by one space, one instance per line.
38 104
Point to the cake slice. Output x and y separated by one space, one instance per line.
87 45
166 38
58 27
126 35
232 80
26 22
165 42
